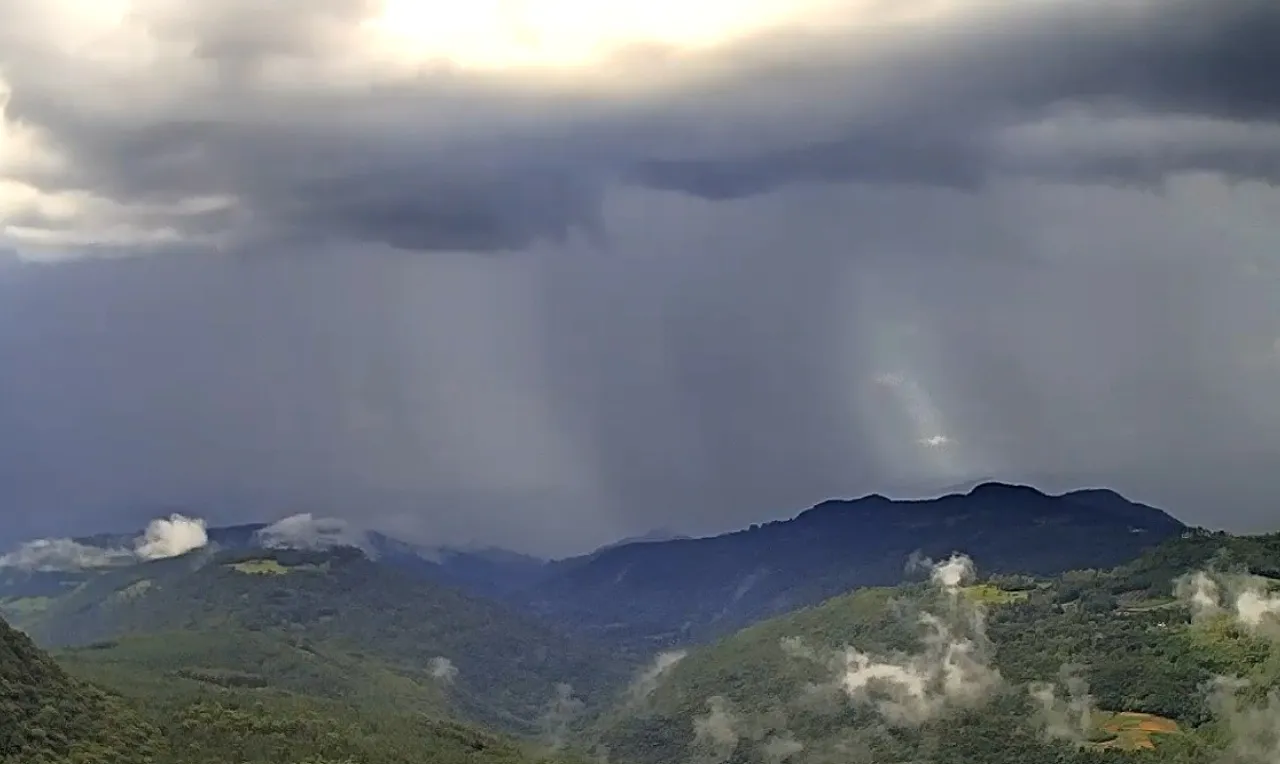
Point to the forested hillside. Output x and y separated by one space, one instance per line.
656 595
167 716
1086 666
381 632
48 717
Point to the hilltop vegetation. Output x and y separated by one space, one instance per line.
47 717
1082 667
177 717
186 666
307 615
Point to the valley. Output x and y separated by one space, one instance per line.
902 652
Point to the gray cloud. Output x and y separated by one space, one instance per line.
725 363
1010 243
227 129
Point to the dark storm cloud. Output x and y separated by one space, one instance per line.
966 94
454 159
727 363
1003 269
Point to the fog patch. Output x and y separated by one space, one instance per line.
647 682
443 670
1250 600
715 735
307 532
1252 729
1066 711
559 716
63 555
164 537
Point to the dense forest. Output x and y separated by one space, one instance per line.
1083 667
47 717
249 660
332 622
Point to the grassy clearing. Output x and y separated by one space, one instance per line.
270 567
24 605
1132 731
1150 605
261 568
990 594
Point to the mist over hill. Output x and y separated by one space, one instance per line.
1096 630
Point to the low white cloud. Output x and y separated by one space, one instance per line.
649 679
716 735
1252 729
62 554
954 572
305 531
171 536
953 668
560 713
781 747
443 669
1066 712
164 537
1251 601
1249 724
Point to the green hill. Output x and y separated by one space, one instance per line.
256 700
333 624
46 716
186 666
999 671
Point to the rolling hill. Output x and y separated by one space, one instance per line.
163 717
1082 667
310 617
488 571
657 594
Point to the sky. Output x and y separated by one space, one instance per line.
545 273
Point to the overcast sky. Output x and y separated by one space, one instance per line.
543 273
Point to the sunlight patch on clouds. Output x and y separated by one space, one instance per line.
500 34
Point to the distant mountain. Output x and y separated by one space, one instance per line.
659 589
47 716
488 571
651 595
657 534
501 667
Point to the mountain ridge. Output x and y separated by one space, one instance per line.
663 593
